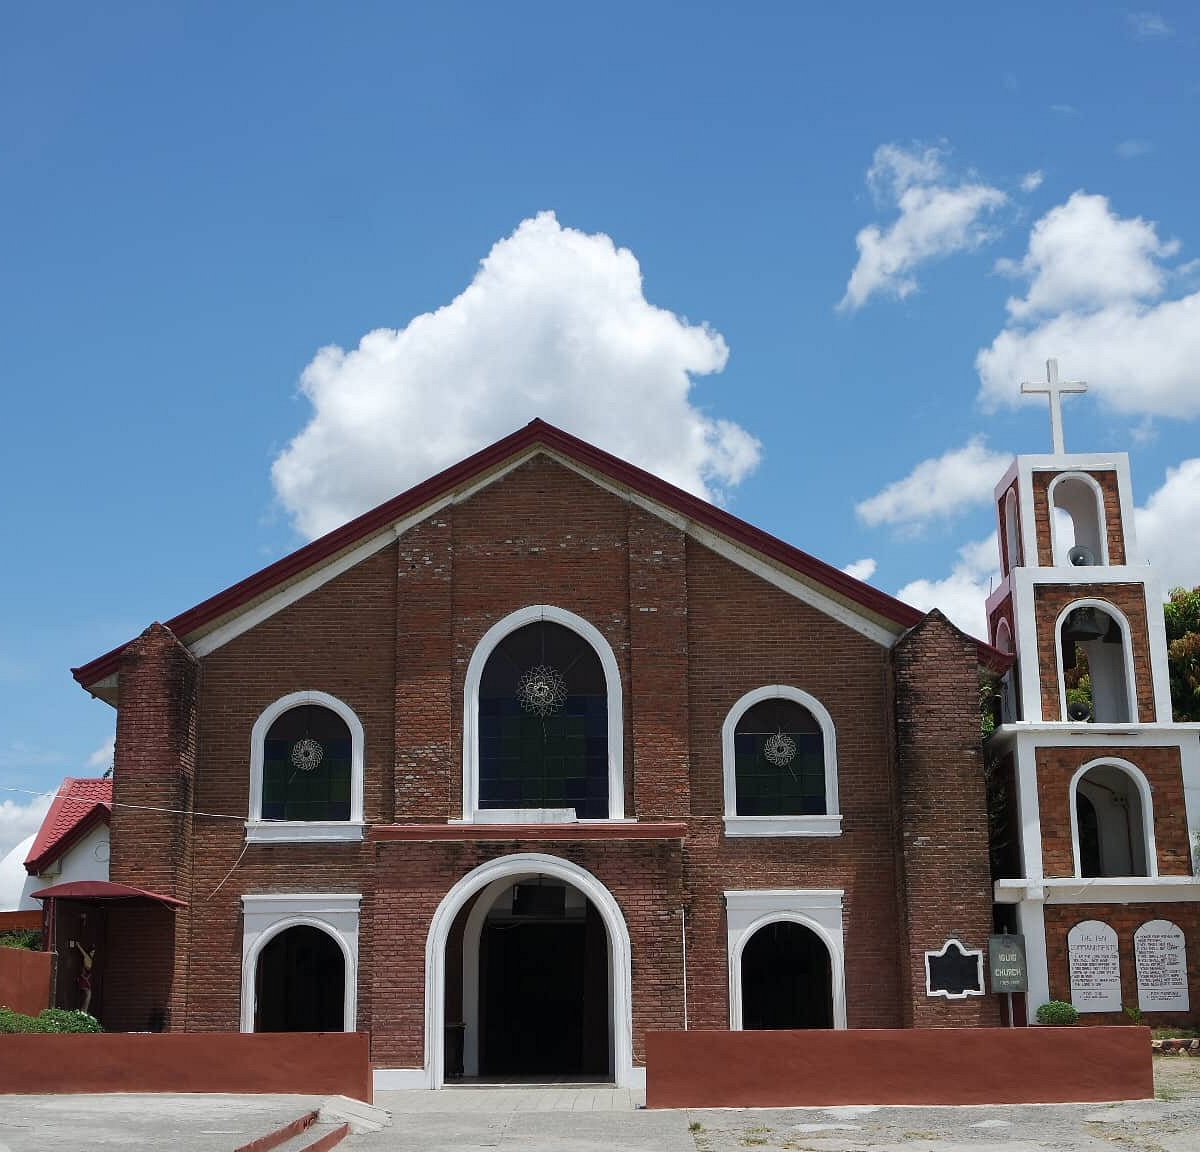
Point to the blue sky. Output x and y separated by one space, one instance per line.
798 255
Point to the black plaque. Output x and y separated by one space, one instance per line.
954 971
1006 960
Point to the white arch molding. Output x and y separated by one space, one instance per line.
266 916
818 910
1093 535
1145 795
508 869
796 825
532 614
258 829
1110 609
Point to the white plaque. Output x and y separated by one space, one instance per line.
1095 967
1161 957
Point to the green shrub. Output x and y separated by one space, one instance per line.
21 938
56 1020
1058 1013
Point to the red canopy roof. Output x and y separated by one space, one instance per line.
80 805
98 890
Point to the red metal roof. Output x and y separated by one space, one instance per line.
78 807
535 434
103 890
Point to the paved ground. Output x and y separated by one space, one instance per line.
591 1119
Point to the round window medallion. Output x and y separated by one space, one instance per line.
307 754
779 750
542 690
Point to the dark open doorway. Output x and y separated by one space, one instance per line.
786 979
543 989
300 983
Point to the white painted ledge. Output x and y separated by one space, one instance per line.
783 825
302 831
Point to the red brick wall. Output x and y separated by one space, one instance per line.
1130 599
1161 767
1107 480
946 888
1125 920
691 633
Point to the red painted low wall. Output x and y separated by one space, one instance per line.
902 1066
25 980
312 1063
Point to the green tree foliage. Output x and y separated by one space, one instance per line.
1182 612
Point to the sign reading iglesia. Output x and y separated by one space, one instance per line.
1095 967
1161 959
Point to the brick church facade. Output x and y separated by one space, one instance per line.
545 754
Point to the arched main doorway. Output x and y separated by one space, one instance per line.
535 947
300 983
787 980
538 952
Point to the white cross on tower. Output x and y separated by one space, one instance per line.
1056 389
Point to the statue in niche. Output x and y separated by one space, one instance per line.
84 979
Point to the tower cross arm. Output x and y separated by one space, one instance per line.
1056 389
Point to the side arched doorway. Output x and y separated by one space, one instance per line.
300 982
787 978
528 974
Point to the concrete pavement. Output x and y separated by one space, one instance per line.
594 1119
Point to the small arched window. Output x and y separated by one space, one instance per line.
1077 521
1095 664
306 778
780 766
1112 821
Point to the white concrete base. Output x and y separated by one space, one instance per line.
398 1079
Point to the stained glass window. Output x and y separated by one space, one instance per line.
307 766
779 754
543 723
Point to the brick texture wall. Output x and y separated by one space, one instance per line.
946 880
1125 920
1107 480
1130 599
1161 767
691 633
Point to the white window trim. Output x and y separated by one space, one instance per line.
1112 610
818 909
616 727
829 824
265 917
1145 795
976 952
299 831
510 869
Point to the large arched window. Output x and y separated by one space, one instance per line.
306 770
542 723
1112 821
780 765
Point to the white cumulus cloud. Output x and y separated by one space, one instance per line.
1098 300
862 569
938 216
1168 527
103 756
555 324
20 818
962 594
1032 181
938 488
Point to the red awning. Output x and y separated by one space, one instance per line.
103 890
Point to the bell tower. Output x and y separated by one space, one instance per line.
1100 787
